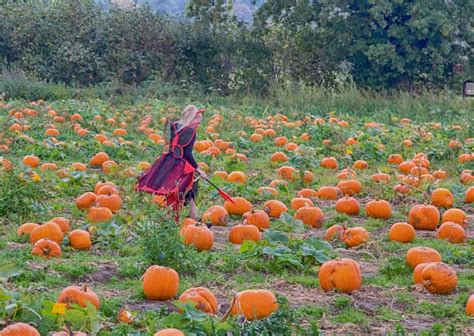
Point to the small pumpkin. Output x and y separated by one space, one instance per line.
99 214
469 198
258 218
378 209
254 304
421 254
242 232
46 248
275 208
79 295
417 278
26 228
110 201
360 164
49 230
452 232
279 157
350 187
439 278
307 193
402 233
310 215
442 197
86 200
329 193
198 235
19 329
202 297
424 217
455 215
237 177
395 159
335 232
80 239
216 215
286 172
329 162
470 306
355 236
239 207
160 283
63 223
98 159
169 332
300 202
31 161
348 205
341 274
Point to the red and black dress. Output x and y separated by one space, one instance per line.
172 175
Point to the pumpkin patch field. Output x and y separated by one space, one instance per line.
341 223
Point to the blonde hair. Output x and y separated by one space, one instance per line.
188 115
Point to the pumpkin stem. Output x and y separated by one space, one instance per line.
232 303
46 251
84 288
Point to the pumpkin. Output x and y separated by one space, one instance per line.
335 232
470 306
258 218
380 177
267 190
329 162
469 195
110 201
350 187
455 215
203 297
216 215
442 197
406 166
286 172
79 295
242 232
417 278
31 161
237 177
402 233
355 236
46 248
19 329
99 214
63 223
279 157
68 333
49 230
48 166
26 228
125 316
160 283
198 235
452 232
424 217
109 166
378 209
98 159
221 174
348 205
80 239
360 164
340 274
310 215
254 304
439 278
329 193
299 202
86 200
421 254
104 188
281 141
239 207
307 193
395 159
308 177
275 208
440 174
169 332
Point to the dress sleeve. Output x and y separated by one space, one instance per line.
188 152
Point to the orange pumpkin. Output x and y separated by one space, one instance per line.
26 228
422 254
99 214
417 278
160 283
378 209
237 177
334 233
46 248
31 161
329 162
406 166
360 164
63 223
341 274
470 306
442 197
402 233
99 159
199 236
355 236
111 201
79 295
80 239
350 187
169 332
49 230
242 232
395 159
258 218
424 217
202 297
452 232
439 278
279 157
310 215
19 329
239 207
254 304
86 200
307 193
455 215
286 172
299 202
216 215
469 195
275 208
380 177
348 205
329 193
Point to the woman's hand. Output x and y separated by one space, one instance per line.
201 173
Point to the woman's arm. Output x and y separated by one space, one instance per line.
188 153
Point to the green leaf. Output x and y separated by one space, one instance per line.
275 237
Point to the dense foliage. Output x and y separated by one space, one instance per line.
377 44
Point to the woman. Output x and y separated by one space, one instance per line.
172 175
